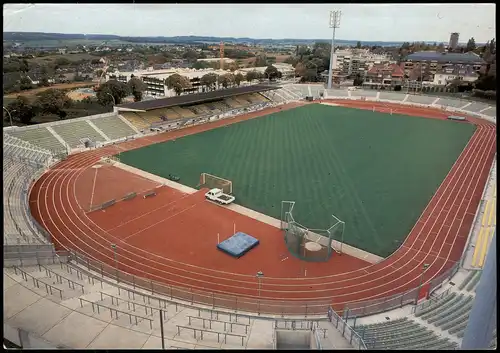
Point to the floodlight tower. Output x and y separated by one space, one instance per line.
334 23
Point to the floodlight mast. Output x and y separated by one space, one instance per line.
334 23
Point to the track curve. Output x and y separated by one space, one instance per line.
437 239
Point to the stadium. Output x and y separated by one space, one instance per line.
374 214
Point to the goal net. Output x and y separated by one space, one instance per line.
211 181
314 245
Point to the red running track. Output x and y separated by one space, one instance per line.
438 238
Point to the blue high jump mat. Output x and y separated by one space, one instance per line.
238 245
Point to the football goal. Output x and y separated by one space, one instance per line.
211 181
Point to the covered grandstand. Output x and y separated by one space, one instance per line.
162 112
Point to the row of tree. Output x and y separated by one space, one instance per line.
115 91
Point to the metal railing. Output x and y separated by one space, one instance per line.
376 306
347 331
208 298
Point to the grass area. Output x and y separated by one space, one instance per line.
375 171
32 92
70 57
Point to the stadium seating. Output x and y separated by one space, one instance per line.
258 98
421 99
369 93
316 90
74 131
474 282
397 97
467 279
183 113
242 100
402 334
453 103
39 136
332 93
233 103
23 150
492 112
17 227
113 127
135 120
476 107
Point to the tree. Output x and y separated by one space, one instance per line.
260 60
271 72
358 80
178 83
53 101
226 80
440 48
358 45
21 110
112 92
137 88
251 75
238 78
493 46
209 80
300 69
199 65
25 84
471 45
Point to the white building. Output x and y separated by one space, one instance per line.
155 79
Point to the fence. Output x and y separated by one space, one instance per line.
212 299
347 331
376 306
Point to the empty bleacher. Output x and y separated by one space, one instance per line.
369 93
23 150
235 104
421 99
316 90
402 334
449 313
475 107
113 127
39 136
74 131
453 103
135 119
334 93
492 112
398 97
183 113
18 229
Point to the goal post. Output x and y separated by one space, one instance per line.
212 181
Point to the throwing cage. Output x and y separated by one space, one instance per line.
315 245
211 181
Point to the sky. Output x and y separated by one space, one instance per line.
370 22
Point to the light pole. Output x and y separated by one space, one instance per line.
259 276
424 267
334 23
113 246
10 116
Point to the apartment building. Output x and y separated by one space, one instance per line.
384 76
441 61
351 62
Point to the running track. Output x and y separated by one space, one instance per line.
438 238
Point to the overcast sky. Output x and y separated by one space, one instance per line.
382 22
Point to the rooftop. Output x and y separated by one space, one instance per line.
469 58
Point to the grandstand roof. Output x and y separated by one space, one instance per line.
196 98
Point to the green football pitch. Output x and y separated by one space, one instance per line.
374 171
